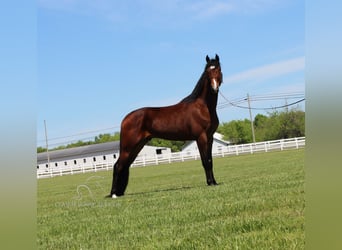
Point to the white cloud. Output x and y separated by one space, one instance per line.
268 71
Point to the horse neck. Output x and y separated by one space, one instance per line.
202 91
208 96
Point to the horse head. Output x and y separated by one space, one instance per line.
213 70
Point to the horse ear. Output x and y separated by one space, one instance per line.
217 58
207 58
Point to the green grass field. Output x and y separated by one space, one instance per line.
258 204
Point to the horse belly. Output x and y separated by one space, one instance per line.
170 125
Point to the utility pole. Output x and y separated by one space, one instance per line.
286 106
47 145
251 117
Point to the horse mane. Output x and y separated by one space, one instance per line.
199 86
197 90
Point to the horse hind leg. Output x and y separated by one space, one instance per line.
121 168
133 137
121 174
120 177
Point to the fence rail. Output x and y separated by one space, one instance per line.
140 161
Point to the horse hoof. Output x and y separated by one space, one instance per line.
212 184
114 196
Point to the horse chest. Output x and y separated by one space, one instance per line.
201 116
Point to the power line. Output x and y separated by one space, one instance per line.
78 134
262 98
279 95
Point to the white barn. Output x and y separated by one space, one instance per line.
95 154
218 144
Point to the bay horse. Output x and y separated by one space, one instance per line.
193 118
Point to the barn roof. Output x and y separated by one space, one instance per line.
80 151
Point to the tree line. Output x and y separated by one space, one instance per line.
273 126
276 125
101 138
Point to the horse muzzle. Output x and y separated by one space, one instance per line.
215 85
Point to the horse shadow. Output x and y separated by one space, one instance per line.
162 190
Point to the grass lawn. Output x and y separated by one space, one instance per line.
258 204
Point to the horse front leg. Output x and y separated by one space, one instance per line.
205 148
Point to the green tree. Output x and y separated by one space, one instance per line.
292 124
277 125
260 126
286 124
175 146
60 147
236 131
101 138
79 143
41 149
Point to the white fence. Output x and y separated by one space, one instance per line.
251 148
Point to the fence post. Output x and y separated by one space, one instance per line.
265 144
297 146
281 144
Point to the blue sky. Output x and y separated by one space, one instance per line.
99 60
